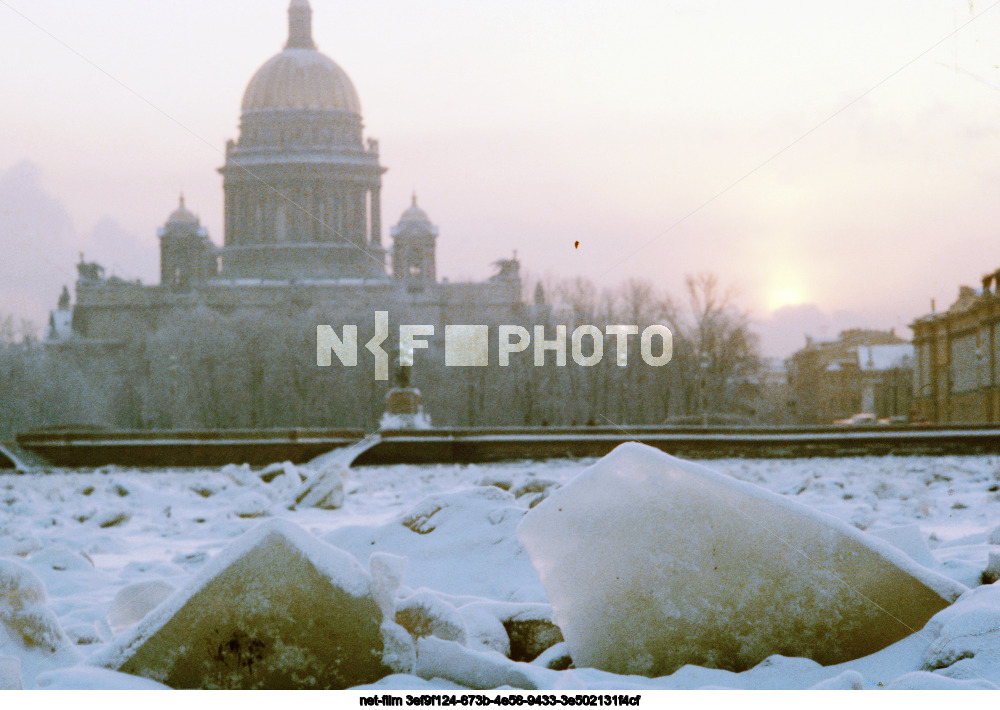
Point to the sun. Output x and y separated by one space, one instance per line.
784 296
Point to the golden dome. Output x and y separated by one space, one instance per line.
300 77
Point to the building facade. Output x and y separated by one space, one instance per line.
860 372
957 378
303 224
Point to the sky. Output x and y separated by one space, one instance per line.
838 163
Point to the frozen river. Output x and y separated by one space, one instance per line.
88 535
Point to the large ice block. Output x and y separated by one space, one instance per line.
651 562
278 609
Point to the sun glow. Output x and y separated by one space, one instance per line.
784 295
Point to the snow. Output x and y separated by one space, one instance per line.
60 326
438 543
965 645
19 586
396 422
90 678
908 539
423 613
455 542
325 489
30 632
473 668
885 357
10 673
133 602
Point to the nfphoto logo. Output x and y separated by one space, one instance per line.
469 345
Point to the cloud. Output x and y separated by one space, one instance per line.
786 329
36 243
121 252
39 246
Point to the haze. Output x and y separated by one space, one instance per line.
530 125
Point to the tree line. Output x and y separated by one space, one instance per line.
255 369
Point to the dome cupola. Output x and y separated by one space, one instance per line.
414 214
300 77
182 215
302 185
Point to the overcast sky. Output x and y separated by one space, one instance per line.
529 125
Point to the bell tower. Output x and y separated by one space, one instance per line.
414 242
187 255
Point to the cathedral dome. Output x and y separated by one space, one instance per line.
301 129
300 77
182 215
414 215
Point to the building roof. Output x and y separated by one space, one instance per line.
300 77
182 215
884 357
414 214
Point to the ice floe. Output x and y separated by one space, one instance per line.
651 563
277 609
434 550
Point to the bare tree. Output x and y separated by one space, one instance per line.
257 369
718 352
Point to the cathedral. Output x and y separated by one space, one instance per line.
303 223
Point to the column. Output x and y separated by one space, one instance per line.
340 227
230 230
376 197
